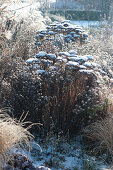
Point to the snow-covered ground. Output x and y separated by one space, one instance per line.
64 154
88 24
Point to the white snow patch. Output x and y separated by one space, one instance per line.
52 56
82 67
89 57
73 53
72 63
41 54
65 54
32 60
41 71
79 58
92 65
86 71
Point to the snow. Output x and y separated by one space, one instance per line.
68 40
88 64
44 31
74 59
32 60
53 68
51 33
66 21
86 71
83 58
72 63
78 30
82 67
61 59
76 36
58 29
60 26
69 36
85 35
72 52
65 54
89 57
61 36
92 65
41 35
41 71
48 27
36 66
46 62
41 54
87 24
64 155
52 56
43 168
102 72
79 58
72 32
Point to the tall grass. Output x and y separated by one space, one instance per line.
17 43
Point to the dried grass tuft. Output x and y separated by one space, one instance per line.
12 134
101 133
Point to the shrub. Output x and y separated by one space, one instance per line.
70 98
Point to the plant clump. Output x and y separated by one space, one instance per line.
12 135
64 86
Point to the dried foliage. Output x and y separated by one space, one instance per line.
101 135
100 45
12 134
61 93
